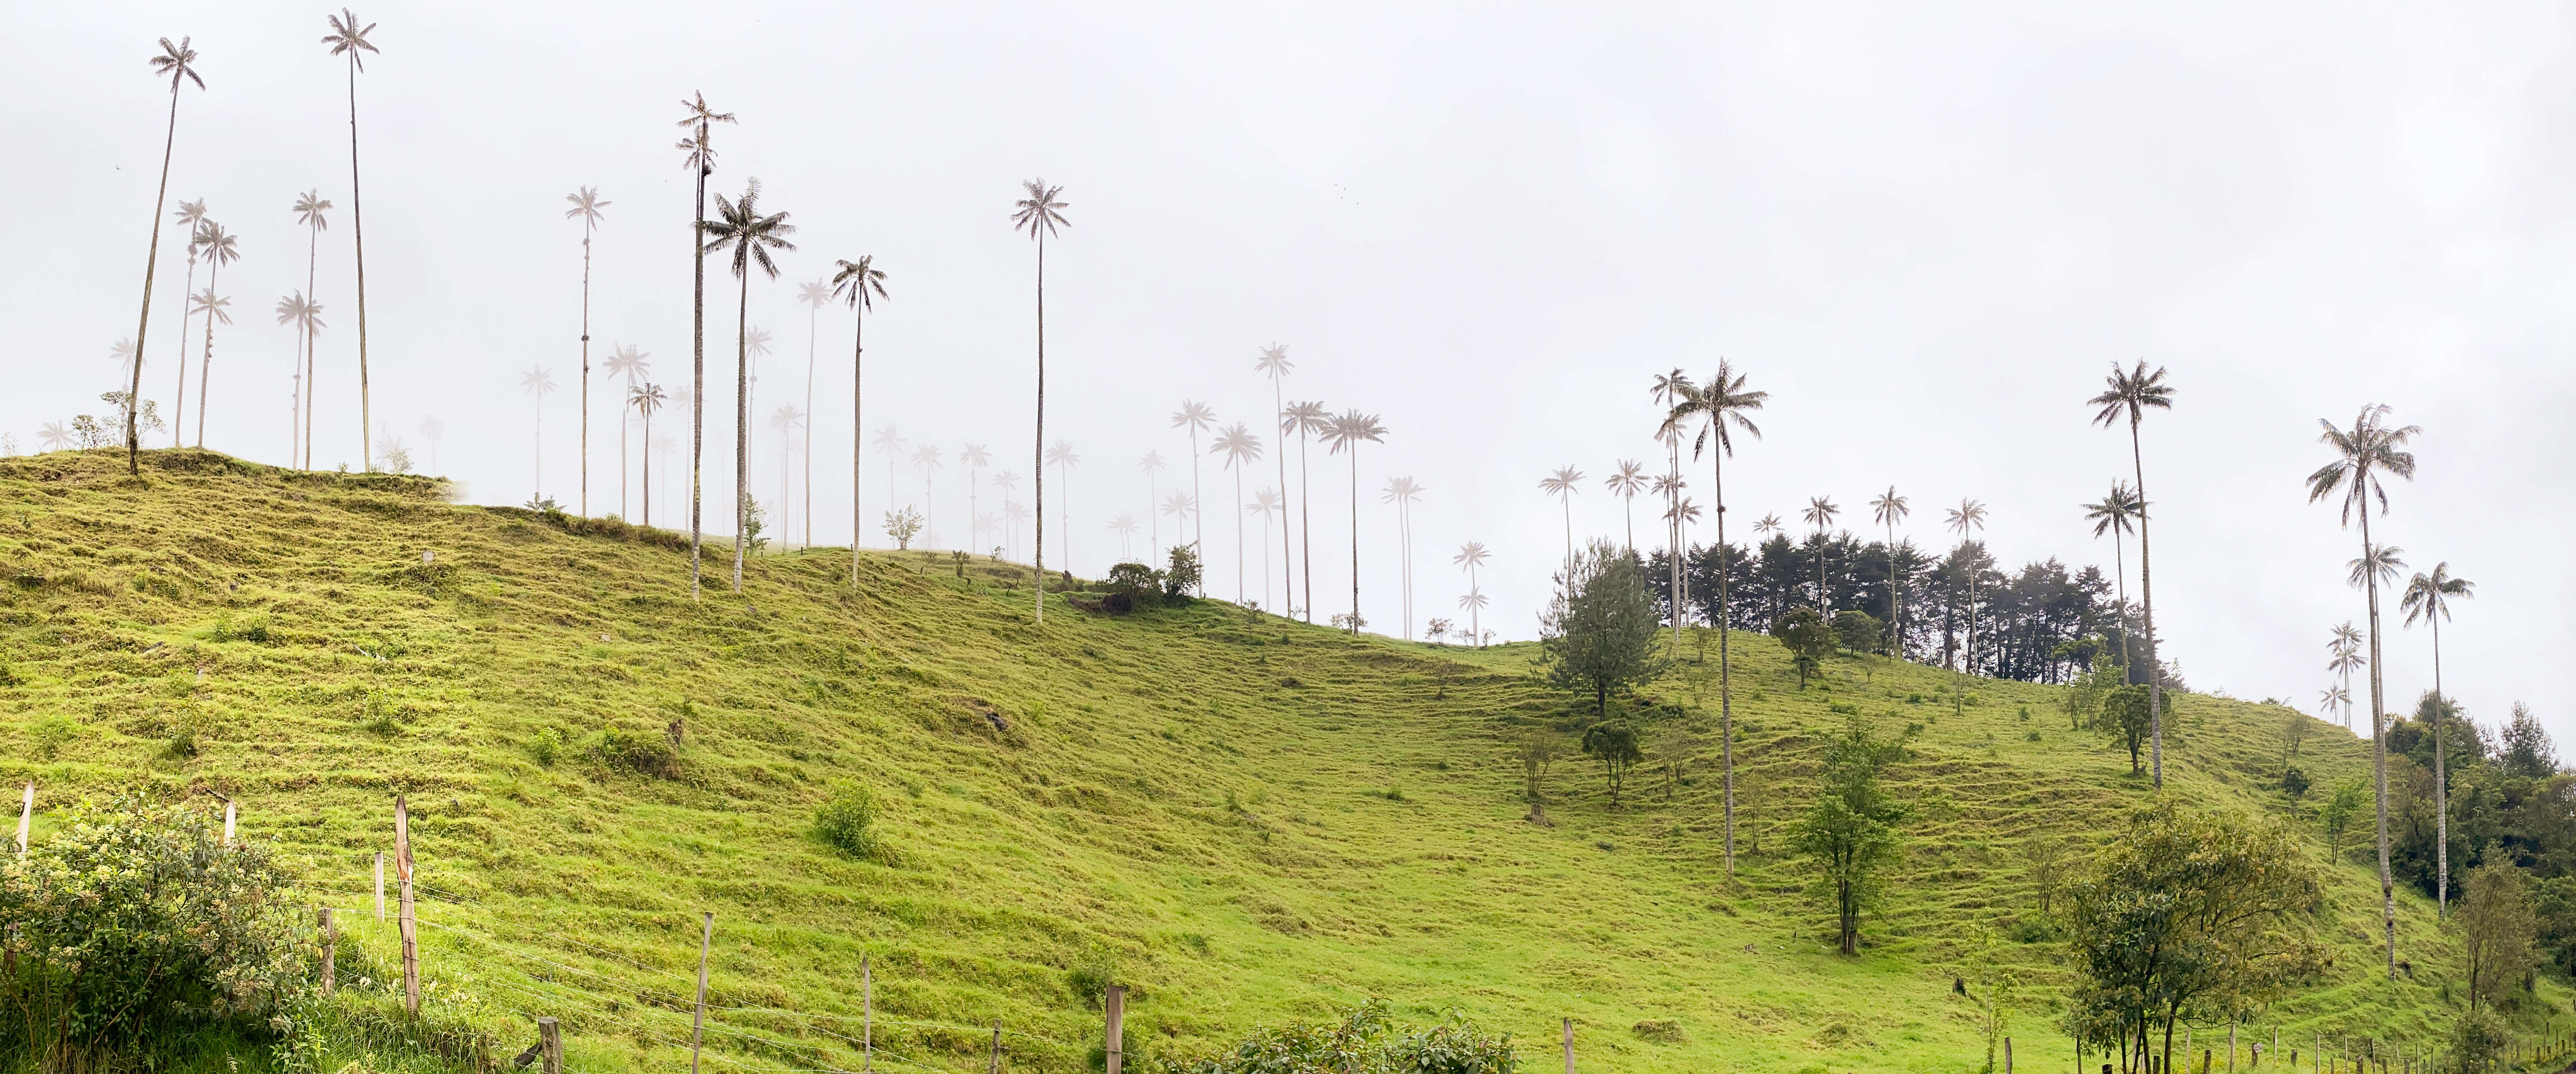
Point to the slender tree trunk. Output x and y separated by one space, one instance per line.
741 420
1673 535
1198 517
811 341
1895 599
585 374
1238 533
2119 567
1475 612
1287 565
2155 667
1306 522
1037 450
312 264
648 469
1355 537
1725 667
358 230
2441 782
697 380
179 396
213 273
2378 738
537 448
143 321
621 453
858 425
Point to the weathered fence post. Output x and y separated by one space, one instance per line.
410 929
2007 1055
995 1067
330 952
698 1022
26 815
867 1018
228 822
1569 1046
549 1046
1114 1006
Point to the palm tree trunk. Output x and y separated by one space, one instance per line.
1475 612
1673 535
741 420
2120 568
1895 599
858 425
698 380
312 261
358 228
151 261
1238 534
1306 521
585 373
1287 572
810 342
207 359
537 448
178 416
2156 668
648 469
1725 667
1630 500
1198 513
1355 537
621 454
1037 448
2441 780
2378 739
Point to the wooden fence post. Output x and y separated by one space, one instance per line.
698 1022
1115 1006
380 887
1569 1045
867 1017
410 930
995 1067
330 952
549 1046
26 815
2007 1055
228 822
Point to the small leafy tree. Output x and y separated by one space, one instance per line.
1614 744
1133 586
1807 638
1182 577
2497 924
2124 718
1860 632
902 526
1850 832
1598 635
1537 751
846 823
754 521
2338 813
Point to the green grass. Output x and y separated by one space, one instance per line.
1254 820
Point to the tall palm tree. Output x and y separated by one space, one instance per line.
853 283
178 63
54 437
1348 432
221 249
1018 513
647 398
2333 697
348 39
1195 416
1009 482
1968 517
2130 394
1626 483
974 458
538 383
1274 363
1061 454
1669 487
310 208
2361 455
756 342
927 458
1722 406
1309 419
1669 390
1241 447
787 420
2112 516
815 296
1820 513
1038 214
1267 504
2428 600
1471 555
304 316
2345 658
699 156
1180 506
890 441
740 226
1888 510
1125 527
629 361
1563 484
1402 491
191 216
1152 464
586 204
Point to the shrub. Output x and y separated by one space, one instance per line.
1659 1030
2294 782
1183 574
546 746
636 753
845 823
184 731
134 924
1367 1040
1133 586
49 735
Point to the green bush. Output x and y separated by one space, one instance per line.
546 745
1367 1040
1183 575
846 822
135 924
48 736
640 753
1134 587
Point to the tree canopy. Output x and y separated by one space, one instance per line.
1850 832
1598 635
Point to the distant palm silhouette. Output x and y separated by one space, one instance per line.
787 420
1152 465
348 39
1241 448
974 458
431 430
305 317
1307 418
815 296
1195 417
1039 215
1180 506
645 399
310 208
1888 510
2346 657
1125 527
1274 364
890 441
1267 504
191 216
629 361
1402 491
2428 600
1820 513
538 384
927 458
1472 555
1967 517
1061 454
220 250
1563 484
2130 394
54 437
1018 513
740 226
1625 483
1346 434
215 308
586 204
853 282
178 63
2111 515
699 156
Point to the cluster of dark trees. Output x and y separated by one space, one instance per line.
2510 803
2030 624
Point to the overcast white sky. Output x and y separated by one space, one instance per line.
1926 233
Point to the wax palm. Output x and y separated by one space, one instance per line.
537 383
1668 487
2129 395
1347 433
1009 482
192 217
1125 527
1402 491
1180 506
1195 417
215 308
1888 510
1267 503
699 156
2362 454
177 63
1722 406
1626 483
854 282
2111 515
926 457
304 316
586 204
2428 600
1152 465
1472 555
1018 513
54 436
2330 699
310 209
431 429
974 458
220 249
890 441
645 399
1061 454
1669 390
348 39
1820 513
1767 525
740 227
787 420
2346 658
1563 484
1038 214
1304 419
1241 448
1274 363
629 361
1969 516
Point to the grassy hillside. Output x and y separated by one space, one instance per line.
1251 820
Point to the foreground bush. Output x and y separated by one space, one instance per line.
1367 1040
134 924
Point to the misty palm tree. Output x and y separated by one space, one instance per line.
178 63
348 39
815 296
1968 517
2344 658
1152 465
1820 513
787 420
927 458
1308 418
1472 555
854 282
890 441
1722 406
1348 432
1018 513
310 208
2428 600
54 437
538 384
2112 516
1180 506
2130 395
1267 504
586 204
755 341
1038 214
1061 454
740 227
645 399
1125 527
1669 390
1195 417
304 316
1563 484
699 156
215 307
974 458
1009 482
221 249
629 361
662 447
1274 363
191 216
431 429
1888 510
1241 448
1626 483
2332 698
2361 455
1767 524
1402 491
